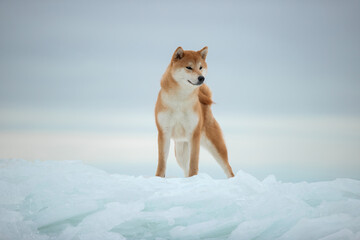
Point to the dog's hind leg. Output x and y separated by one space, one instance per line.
212 139
182 155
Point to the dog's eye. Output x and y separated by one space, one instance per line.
200 67
190 68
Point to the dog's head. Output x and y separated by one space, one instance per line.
189 68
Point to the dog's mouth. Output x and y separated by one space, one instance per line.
197 84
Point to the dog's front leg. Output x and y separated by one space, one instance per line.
194 156
163 150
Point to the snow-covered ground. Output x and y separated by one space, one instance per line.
72 200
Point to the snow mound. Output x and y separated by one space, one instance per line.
70 200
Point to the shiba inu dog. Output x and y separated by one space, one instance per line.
183 113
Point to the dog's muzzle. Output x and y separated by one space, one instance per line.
200 81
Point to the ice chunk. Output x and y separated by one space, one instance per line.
70 200
321 227
251 229
344 234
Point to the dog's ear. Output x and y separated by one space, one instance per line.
178 54
203 52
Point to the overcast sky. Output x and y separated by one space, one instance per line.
265 57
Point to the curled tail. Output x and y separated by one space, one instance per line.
205 95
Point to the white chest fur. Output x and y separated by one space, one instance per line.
179 119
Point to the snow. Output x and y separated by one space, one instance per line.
71 200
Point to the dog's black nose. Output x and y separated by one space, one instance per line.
201 78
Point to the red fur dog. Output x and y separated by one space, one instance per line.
183 113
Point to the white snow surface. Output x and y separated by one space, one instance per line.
71 200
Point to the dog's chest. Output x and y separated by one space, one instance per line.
179 120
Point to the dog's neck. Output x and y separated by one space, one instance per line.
171 87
